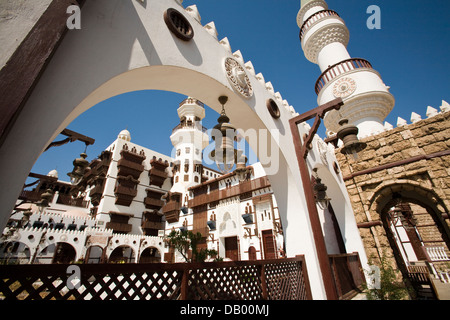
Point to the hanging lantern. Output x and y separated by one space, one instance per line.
241 167
79 167
224 136
320 192
348 133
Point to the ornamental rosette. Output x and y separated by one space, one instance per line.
238 78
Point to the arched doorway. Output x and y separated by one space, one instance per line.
14 252
251 253
60 252
412 228
150 255
122 254
412 220
94 254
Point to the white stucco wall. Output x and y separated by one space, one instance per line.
17 18
125 46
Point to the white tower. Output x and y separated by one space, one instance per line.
189 139
324 38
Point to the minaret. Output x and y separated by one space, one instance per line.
189 139
324 38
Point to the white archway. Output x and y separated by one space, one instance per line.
125 46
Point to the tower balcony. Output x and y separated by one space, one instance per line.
323 28
314 18
189 125
338 69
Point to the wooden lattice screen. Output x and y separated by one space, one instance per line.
281 279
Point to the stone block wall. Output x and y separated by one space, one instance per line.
412 161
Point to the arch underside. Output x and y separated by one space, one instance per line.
125 46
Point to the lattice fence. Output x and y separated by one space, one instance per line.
241 280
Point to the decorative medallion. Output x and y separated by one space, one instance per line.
238 77
344 87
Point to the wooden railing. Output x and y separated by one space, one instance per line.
348 274
281 279
241 188
338 69
69 201
31 196
189 126
317 16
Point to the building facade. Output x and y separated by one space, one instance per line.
131 197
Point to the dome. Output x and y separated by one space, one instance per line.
53 174
125 135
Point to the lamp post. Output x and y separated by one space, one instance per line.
302 150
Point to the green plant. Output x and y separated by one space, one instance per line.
390 288
183 241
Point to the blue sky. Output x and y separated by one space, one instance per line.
410 51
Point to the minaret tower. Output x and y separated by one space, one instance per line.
324 38
189 139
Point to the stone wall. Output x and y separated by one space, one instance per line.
411 161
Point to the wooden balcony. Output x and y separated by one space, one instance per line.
172 208
152 225
124 195
132 156
119 227
126 168
171 211
151 203
96 194
157 172
172 216
241 189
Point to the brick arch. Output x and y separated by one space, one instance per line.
408 189
411 192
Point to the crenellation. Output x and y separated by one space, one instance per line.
226 44
238 56
249 67
194 13
269 87
260 78
211 29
